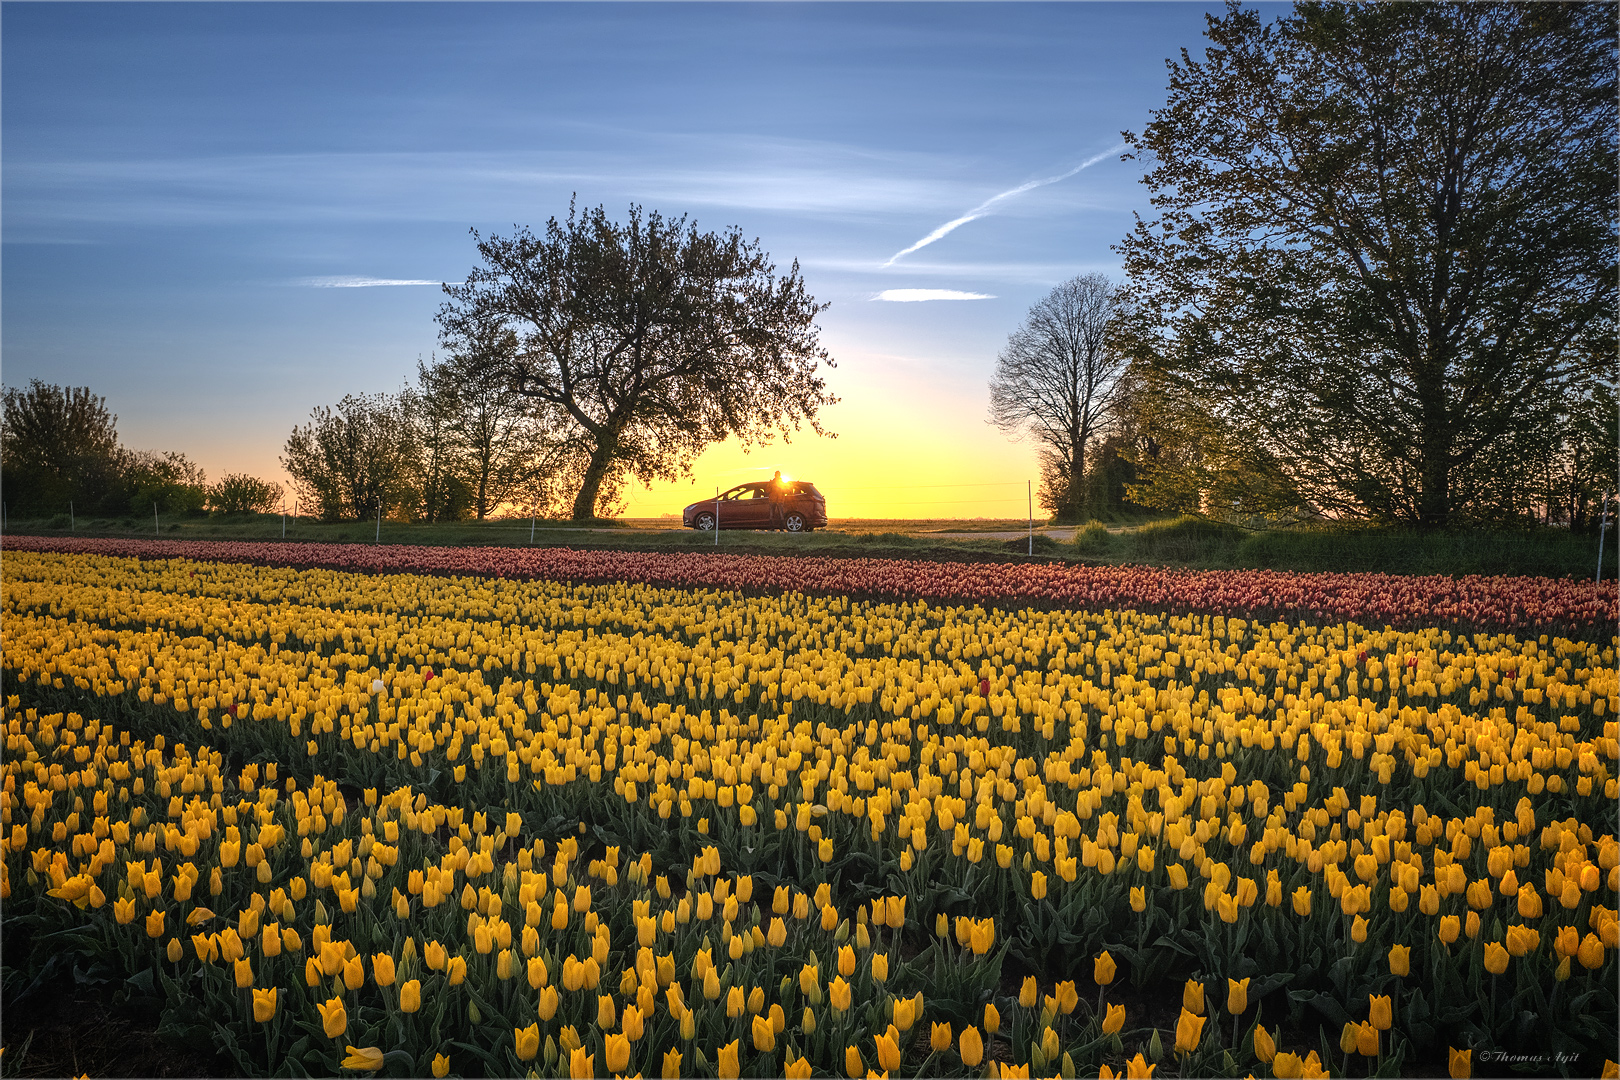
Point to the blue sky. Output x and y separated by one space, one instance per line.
193 194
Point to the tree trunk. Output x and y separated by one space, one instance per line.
595 473
1434 502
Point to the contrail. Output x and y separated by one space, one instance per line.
984 207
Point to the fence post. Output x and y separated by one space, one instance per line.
284 522
379 525
155 530
73 522
1603 528
531 529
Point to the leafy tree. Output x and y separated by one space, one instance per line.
58 444
1057 381
434 408
239 493
355 461
654 339
1385 238
170 482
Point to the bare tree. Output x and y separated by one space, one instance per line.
1058 380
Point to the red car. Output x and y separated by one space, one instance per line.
799 508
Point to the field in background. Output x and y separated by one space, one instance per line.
1187 542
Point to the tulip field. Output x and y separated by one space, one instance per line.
351 810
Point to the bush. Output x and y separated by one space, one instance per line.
239 493
1094 539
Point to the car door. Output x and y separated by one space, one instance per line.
752 511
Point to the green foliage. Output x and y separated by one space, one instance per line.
239 493
171 482
57 445
354 462
1384 257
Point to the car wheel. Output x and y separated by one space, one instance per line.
794 523
704 522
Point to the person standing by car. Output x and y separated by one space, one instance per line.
776 489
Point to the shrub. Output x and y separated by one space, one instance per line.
239 493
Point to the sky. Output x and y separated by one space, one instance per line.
220 216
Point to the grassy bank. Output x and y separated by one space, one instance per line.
1194 542
1187 542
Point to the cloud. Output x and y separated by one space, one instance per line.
984 208
351 282
914 295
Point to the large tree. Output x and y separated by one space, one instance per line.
59 445
654 339
1057 382
1385 233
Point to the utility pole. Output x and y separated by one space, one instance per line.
1031 492
717 517
155 530
73 522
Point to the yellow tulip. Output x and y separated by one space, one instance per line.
1137 1068
1027 993
728 1067
1037 885
1192 997
581 1066
853 1065
382 969
1380 1011
1103 969
154 924
970 1047
264 1004
1286 1066
366 1059
846 961
888 1053
1113 1020
1264 1047
1237 995
838 994
672 1065
1302 901
1189 1030
939 1037
243 971
1460 1063
1590 953
615 1052
992 1018
334 1020
1400 960
1496 958
410 995
880 966
1449 927
441 1065
1366 1040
